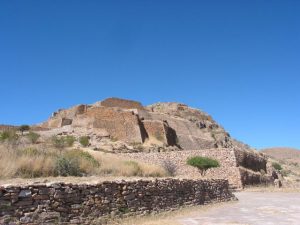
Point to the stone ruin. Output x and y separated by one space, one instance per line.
158 132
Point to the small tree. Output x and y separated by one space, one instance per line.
276 166
84 141
23 128
202 163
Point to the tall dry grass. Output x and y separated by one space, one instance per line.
43 160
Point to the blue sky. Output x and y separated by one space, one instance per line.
237 60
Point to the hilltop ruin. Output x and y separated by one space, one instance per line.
158 133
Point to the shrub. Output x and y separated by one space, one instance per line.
81 155
30 152
9 135
170 167
58 142
66 166
70 140
276 166
33 137
23 128
202 163
84 141
285 173
134 168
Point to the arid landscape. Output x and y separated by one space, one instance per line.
117 143
149 112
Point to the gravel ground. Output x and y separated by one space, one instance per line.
253 208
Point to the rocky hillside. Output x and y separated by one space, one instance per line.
124 126
165 135
289 160
291 155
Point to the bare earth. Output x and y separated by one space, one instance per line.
252 208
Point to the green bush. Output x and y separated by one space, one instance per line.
202 163
58 142
70 140
66 166
33 137
63 141
75 163
84 141
23 128
78 154
276 166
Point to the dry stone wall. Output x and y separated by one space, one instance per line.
232 164
91 204
251 160
228 166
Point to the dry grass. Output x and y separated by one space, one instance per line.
43 160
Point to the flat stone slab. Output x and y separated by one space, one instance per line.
252 208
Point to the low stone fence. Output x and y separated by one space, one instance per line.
62 203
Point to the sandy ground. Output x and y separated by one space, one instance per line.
253 208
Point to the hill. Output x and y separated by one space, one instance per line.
122 133
291 155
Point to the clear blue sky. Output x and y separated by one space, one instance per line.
237 60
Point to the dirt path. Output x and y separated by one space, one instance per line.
252 208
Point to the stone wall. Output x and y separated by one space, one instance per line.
250 178
232 164
188 134
161 131
228 166
93 203
121 125
121 103
251 160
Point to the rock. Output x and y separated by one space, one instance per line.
25 194
277 183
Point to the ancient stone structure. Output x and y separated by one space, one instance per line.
121 103
123 126
234 164
94 203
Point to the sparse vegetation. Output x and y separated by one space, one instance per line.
113 139
70 140
285 173
33 137
202 163
9 136
67 166
42 160
159 136
277 166
58 142
84 141
170 167
137 146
